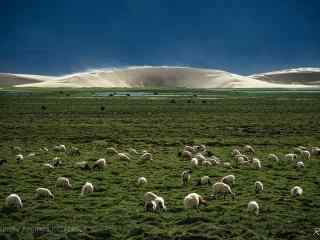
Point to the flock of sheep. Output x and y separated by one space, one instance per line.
197 155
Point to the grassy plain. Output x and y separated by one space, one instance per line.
162 122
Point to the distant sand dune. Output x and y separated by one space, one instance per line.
166 77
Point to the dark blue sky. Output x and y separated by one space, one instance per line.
241 36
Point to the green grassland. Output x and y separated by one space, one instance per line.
161 122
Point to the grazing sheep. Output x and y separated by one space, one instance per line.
3 161
229 179
296 191
273 157
306 155
123 156
220 188
300 164
290 156
63 182
84 165
60 148
13 201
150 196
74 151
253 206
256 163
87 188
142 180
43 192
185 176
193 200
194 162
19 158
100 163
186 155
258 186
146 156
48 166
150 206
248 149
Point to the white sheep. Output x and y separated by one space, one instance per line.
100 163
306 155
194 162
193 200
124 156
253 206
13 201
43 192
248 149
229 179
296 191
300 164
185 177
19 158
273 157
150 196
220 188
146 156
63 182
290 156
87 188
142 180
256 163
258 186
